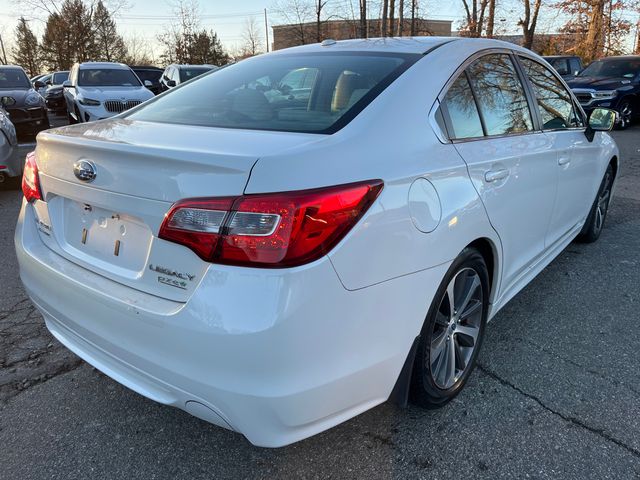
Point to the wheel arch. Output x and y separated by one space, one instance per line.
489 251
614 164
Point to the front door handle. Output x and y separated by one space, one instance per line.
564 160
494 175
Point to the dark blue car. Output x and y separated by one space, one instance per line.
612 82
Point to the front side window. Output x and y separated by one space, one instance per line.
500 95
460 107
554 101
107 77
13 78
315 92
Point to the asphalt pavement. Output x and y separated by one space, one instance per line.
556 393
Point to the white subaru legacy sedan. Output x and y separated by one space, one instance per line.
294 239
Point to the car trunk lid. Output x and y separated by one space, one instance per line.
109 225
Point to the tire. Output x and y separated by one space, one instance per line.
598 214
626 112
456 338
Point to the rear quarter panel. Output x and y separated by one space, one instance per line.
392 140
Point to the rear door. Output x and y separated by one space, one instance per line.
576 158
511 164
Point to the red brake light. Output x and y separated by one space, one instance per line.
30 179
270 230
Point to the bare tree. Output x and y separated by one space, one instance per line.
392 9
319 6
528 23
252 38
491 18
414 11
364 30
400 19
296 13
474 21
139 51
383 20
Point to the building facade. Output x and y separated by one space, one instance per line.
285 36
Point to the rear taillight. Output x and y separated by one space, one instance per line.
270 230
30 179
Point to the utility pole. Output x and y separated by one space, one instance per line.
4 54
266 28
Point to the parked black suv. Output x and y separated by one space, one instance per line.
568 66
152 74
612 82
26 109
174 75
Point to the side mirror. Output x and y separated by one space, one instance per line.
67 84
38 84
600 120
147 83
171 83
48 82
7 101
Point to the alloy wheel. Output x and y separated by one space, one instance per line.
626 115
456 329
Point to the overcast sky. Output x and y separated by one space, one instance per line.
147 18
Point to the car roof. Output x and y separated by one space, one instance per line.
186 65
385 44
406 45
621 57
560 56
144 67
118 66
12 67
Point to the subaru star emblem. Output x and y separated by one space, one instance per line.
84 170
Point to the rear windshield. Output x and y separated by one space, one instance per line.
152 75
59 78
13 78
189 73
107 77
315 93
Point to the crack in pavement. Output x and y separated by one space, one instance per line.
569 419
30 355
584 368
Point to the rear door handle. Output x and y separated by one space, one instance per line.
494 175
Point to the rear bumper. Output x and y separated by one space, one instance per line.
277 355
29 118
56 103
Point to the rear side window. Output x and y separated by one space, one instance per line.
500 95
460 107
554 101
560 64
314 92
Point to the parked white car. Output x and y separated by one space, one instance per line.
98 90
277 267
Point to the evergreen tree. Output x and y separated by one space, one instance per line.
207 48
69 37
57 51
26 53
110 46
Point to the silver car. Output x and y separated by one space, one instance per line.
10 165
